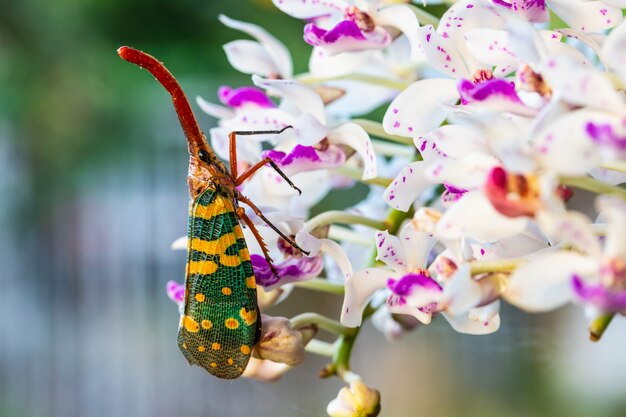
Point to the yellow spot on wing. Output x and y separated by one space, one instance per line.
245 349
230 361
190 324
249 317
227 291
216 346
201 267
213 365
206 324
201 348
231 323
251 282
200 297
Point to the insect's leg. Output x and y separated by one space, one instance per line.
259 213
254 168
232 138
241 213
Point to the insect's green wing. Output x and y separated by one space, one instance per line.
220 322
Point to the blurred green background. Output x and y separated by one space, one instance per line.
92 193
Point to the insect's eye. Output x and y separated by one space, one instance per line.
203 155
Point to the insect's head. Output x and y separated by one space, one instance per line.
203 161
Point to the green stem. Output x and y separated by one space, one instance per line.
504 265
369 79
322 322
598 326
593 185
618 166
338 216
355 174
345 234
391 149
320 348
321 285
376 129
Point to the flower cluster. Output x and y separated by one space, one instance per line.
495 119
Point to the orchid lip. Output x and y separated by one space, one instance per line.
238 97
602 297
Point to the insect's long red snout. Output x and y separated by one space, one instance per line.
195 137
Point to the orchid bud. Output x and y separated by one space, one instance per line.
357 400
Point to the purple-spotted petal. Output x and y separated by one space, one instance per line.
278 54
292 269
239 97
462 292
175 292
532 10
442 53
543 283
491 46
415 290
588 16
468 172
494 88
407 186
453 141
601 297
359 289
354 136
581 85
391 252
306 158
346 37
417 243
605 135
420 107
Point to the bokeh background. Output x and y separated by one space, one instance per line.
92 193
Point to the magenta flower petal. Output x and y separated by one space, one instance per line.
292 269
345 37
604 135
176 292
533 10
487 90
599 296
307 158
238 97
415 290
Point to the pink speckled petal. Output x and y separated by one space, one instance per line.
491 46
565 145
353 136
360 287
588 16
461 292
346 37
275 49
543 283
247 150
442 53
474 217
453 141
311 9
419 108
581 85
407 186
391 252
304 97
